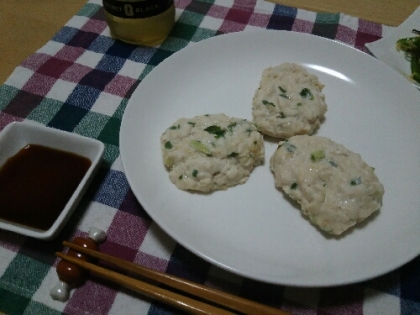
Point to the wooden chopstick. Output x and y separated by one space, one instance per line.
176 300
218 297
179 301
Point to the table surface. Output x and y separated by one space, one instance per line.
22 22
78 79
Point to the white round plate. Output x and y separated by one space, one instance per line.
251 229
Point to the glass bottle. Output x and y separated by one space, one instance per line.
140 22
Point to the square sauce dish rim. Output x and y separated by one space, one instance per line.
17 135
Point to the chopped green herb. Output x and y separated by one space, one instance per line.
299 104
216 131
168 145
290 147
283 93
175 127
411 48
192 123
282 90
376 195
282 115
306 93
332 163
317 156
233 154
194 173
293 186
199 146
255 142
231 126
356 181
265 102
180 177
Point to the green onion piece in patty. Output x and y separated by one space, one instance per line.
199 146
317 156
169 162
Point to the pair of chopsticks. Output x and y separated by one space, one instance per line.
177 300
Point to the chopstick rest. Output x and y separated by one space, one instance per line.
70 275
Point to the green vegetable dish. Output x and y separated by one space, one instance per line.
411 47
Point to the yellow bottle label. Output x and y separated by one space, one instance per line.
136 9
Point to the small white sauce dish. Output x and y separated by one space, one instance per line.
17 135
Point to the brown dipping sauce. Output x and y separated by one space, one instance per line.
36 184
